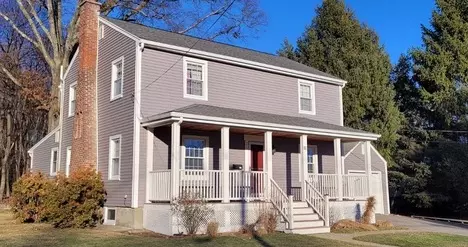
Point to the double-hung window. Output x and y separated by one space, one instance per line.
115 144
306 97
195 79
67 161
54 161
72 99
117 78
195 153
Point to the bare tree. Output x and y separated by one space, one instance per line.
50 26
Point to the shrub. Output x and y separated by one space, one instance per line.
77 201
383 225
212 229
64 202
192 211
268 220
369 210
27 200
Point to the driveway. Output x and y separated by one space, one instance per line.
421 225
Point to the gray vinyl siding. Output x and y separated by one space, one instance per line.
355 161
42 154
232 87
116 117
67 124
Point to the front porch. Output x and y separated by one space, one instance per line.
224 160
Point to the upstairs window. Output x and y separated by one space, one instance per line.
72 100
117 78
195 79
306 97
195 153
53 161
114 157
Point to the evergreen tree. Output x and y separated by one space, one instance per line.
337 43
287 50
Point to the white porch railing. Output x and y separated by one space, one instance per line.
282 202
318 202
160 182
354 186
208 184
247 185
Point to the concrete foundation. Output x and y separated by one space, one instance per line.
129 217
351 210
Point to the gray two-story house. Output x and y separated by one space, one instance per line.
237 127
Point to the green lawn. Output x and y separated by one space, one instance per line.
416 239
15 234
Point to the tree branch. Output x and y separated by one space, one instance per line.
18 30
203 19
38 20
12 78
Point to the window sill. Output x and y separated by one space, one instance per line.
189 96
115 178
307 112
116 97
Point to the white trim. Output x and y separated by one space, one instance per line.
314 158
386 174
118 29
113 77
106 221
43 139
68 160
110 167
206 151
31 154
204 65
149 161
57 166
71 63
378 154
341 105
311 84
363 172
101 31
244 63
267 126
352 149
70 114
136 126
229 59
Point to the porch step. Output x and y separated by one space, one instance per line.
300 205
303 210
308 223
308 216
310 230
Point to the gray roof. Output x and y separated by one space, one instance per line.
222 112
166 37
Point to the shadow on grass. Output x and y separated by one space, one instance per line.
261 241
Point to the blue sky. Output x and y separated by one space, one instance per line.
397 22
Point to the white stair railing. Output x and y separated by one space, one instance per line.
282 203
318 202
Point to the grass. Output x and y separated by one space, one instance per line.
416 239
16 234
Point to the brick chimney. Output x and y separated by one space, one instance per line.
84 143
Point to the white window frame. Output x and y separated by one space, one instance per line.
52 151
114 76
204 65
110 168
106 213
314 157
67 161
72 86
206 151
311 84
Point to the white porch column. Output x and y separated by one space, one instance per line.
368 165
268 163
149 163
303 162
175 158
338 167
225 162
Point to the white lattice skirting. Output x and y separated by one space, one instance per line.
230 217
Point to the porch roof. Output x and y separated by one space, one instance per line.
208 114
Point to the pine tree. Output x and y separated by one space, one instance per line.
287 50
337 43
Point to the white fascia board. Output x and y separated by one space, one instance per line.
71 63
378 154
352 149
118 29
243 62
174 116
43 139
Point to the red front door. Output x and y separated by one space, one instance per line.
257 157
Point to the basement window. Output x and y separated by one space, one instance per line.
109 216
